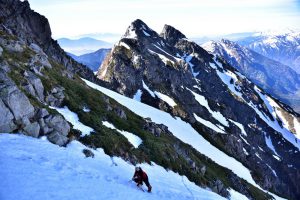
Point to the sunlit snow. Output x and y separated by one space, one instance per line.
35 169
203 102
209 124
241 127
124 45
74 120
270 144
274 124
138 95
133 139
148 90
165 98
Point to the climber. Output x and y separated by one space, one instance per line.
140 176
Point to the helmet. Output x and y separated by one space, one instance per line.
137 168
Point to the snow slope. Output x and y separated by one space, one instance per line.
182 131
35 169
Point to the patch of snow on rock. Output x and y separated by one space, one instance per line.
74 120
133 139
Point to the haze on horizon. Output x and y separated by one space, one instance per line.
70 18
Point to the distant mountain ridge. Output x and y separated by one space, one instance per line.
92 60
282 47
83 45
276 78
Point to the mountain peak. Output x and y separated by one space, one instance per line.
231 44
171 34
138 28
138 23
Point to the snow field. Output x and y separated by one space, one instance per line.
35 169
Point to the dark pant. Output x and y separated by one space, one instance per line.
140 181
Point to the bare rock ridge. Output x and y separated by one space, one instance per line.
171 34
211 95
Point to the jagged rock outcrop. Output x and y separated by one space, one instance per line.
34 85
22 93
16 101
19 115
16 15
211 95
171 35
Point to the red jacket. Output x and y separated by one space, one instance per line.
140 175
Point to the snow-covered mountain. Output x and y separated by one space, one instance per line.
92 60
215 135
43 96
277 79
82 45
282 47
178 76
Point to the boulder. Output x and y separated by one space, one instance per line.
45 129
32 129
58 123
88 153
56 138
121 113
4 66
6 119
36 83
56 96
41 57
41 60
155 129
1 51
218 187
108 108
203 170
18 103
12 46
29 89
41 113
14 99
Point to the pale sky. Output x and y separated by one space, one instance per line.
69 18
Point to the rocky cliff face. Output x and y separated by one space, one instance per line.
174 74
22 94
279 80
27 51
16 15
